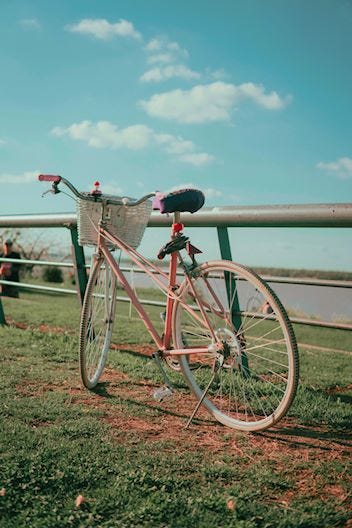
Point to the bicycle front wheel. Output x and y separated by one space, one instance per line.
97 320
248 376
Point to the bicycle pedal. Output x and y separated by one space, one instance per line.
163 393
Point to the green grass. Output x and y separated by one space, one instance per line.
131 458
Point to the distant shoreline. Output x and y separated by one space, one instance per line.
304 273
272 271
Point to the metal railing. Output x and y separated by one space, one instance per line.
306 215
222 218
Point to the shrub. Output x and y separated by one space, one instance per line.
53 274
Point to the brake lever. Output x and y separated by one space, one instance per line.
46 192
54 189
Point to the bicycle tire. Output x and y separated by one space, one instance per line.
97 319
256 383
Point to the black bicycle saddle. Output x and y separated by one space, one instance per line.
184 200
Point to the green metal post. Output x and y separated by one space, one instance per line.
224 241
2 315
79 263
225 251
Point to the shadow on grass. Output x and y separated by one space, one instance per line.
134 353
301 433
338 396
102 390
168 412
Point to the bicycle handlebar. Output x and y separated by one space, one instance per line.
49 177
94 197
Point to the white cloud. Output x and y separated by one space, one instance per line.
164 73
153 45
15 179
342 167
111 188
180 186
102 29
197 158
161 52
212 193
167 58
174 144
210 102
256 92
209 192
30 23
201 103
161 58
162 46
217 75
104 134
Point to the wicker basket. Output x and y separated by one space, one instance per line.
127 223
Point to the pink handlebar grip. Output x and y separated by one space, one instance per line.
49 178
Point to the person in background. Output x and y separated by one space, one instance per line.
9 270
267 309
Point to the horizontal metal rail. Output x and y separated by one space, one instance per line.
306 215
161 304
38 262
39 220
66 291
37 287
272 279
268 278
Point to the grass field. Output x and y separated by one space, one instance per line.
132 460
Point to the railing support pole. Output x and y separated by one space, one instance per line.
224 241
225 251
2 315
79 264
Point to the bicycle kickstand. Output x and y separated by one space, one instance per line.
199 403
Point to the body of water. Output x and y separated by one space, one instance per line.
323 302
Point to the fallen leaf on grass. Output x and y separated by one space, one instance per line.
2 492
79 501
231 504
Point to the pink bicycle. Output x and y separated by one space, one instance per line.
239 358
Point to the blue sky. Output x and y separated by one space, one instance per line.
249 101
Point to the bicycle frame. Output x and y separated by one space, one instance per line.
163 342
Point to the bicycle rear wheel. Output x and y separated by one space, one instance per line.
248 377
97 320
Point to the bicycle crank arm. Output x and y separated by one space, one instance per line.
168 383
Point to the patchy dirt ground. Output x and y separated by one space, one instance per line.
167 422
134 416
168 419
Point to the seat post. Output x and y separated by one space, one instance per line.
172 283
177 217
